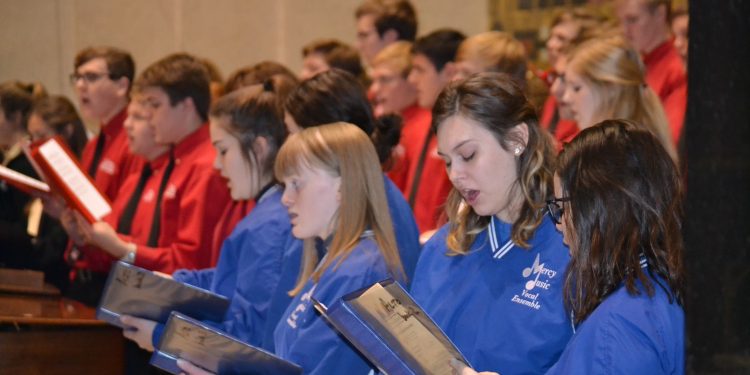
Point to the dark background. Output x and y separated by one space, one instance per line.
717 221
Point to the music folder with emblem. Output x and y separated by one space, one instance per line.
135 291
386 325
213 350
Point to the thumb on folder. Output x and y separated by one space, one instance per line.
459 368
140 331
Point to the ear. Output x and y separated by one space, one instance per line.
449 71
260 149
521 132
390 36
123 86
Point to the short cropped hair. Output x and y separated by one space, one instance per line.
439 46
396 15
119 62
337 55
181 76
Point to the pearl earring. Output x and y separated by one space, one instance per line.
517 151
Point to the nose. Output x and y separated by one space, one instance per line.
217 162
286 197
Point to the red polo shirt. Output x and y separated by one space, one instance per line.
666 75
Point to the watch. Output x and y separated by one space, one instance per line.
129 257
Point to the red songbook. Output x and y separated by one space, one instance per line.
66 178
23 182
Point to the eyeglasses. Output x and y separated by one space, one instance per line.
88 77
555 209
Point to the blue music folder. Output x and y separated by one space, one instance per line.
389 328
213 350
135 291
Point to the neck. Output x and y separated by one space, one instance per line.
192 124
656 42
114 111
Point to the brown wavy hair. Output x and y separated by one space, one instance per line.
499 104
625 201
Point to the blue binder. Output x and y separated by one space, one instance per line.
132 290
377 339
213 350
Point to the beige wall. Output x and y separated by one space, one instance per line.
39 38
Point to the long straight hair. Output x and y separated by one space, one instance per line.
625 202
345 151
617 77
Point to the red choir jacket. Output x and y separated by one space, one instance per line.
416 125
116 164
432 187
116 161
565 130
666 75
193 201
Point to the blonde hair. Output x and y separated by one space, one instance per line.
497 52
616 75
397 56
343 150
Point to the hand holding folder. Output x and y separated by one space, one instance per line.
213 351
135 291
386 325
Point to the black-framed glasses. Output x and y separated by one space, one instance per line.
88 77
555 209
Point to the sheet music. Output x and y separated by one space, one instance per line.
23 179
399 318
75 179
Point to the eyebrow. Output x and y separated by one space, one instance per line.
457 146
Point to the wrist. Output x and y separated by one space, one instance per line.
129 254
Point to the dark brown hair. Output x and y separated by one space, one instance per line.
496 102
337 55
181 76
60 115
254 112
283 79
396 15
119 62
625 202
16 100
336 96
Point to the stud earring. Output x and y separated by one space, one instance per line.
517 151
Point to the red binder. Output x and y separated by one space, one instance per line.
23 182
66 178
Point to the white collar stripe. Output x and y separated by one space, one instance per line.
504 250
497 251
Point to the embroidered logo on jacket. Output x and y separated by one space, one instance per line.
304 302
108 166
538 279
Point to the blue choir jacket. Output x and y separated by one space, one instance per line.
249 270
304 337
628 334
500 304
